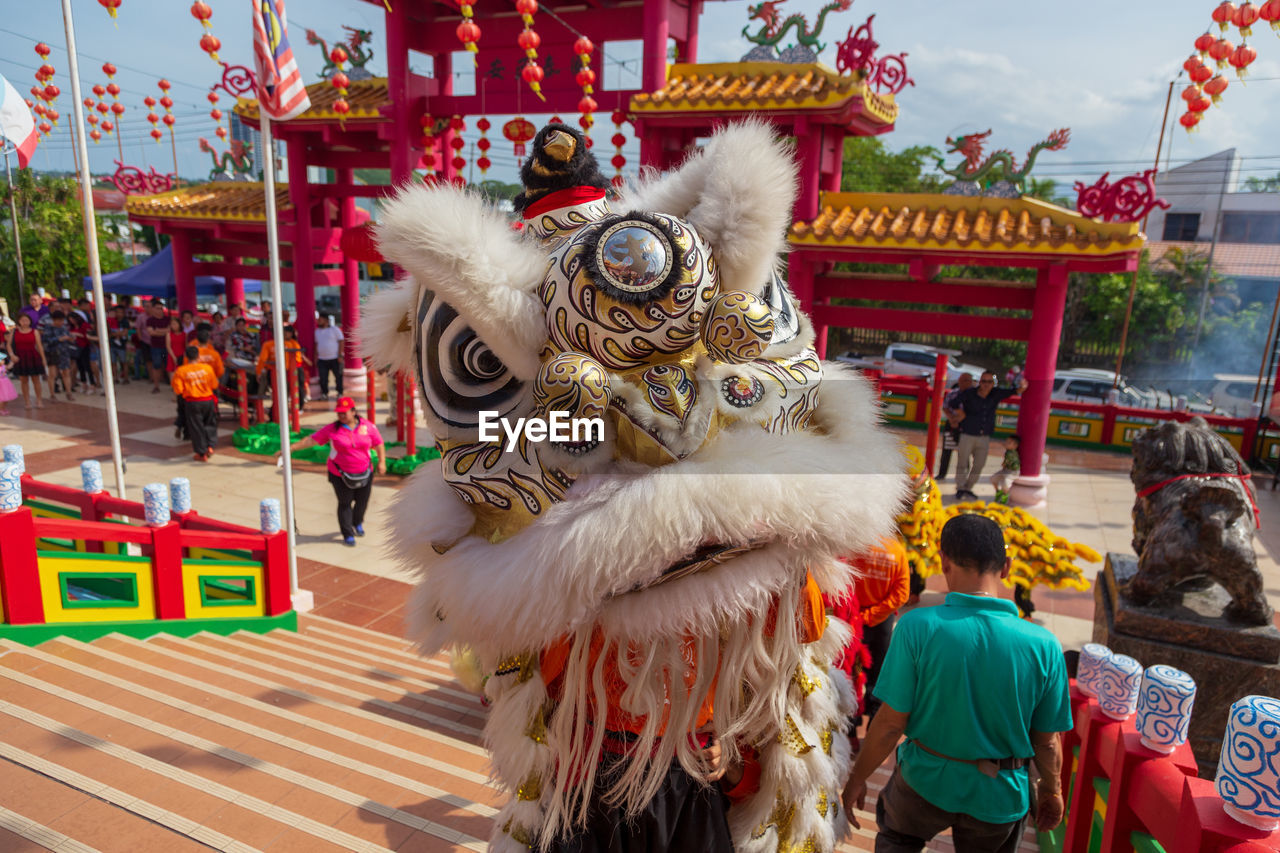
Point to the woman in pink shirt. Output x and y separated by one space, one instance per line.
350 438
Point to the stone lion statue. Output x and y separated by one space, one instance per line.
1194 517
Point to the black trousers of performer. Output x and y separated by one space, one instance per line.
351 504
950 438
682 817
202 424
180 419
323 367
876 639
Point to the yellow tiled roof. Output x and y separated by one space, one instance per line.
231 201
761 86
949 222
364 96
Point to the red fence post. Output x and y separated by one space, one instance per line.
935 410
242 398
166 569
399 405
275 574
371 390
295 423
410 417
19 573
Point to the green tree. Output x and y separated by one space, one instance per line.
1263 185
871 167
52 233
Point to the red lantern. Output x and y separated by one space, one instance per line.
1201 74
45 128
110 6
107 127
340 81
585 78
1223 14
104 108
1215 87
1270 12
91 118
51 93
459 164
153 118
532 74
167 103
42 50
457 143
164 85
1204 41
149 101
38 109
51 115
341 107
338 55
1245 17
1199 105
109 70
117 108
215 114
1240 59
1221 51
222 132
519 131
45 72
88 103
169 119
213 97
95 136
210 44
1189 120
484 164
1192 62
201 12
618 161
99 90
157 134
1190 93
37 93
113 90
529 40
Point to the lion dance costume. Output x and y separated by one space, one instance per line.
630 591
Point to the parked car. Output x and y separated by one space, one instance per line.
1233 393
1089 385
904 359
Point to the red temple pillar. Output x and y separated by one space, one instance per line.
656 28
809 152
184 274
352 364
304 295
1031 486
235 287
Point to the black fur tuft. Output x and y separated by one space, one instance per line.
542 174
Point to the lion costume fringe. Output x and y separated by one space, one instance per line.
662 568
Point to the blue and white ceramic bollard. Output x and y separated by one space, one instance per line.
1118 683
1248 778
91 476
269 515
1164 707
1091 657
10 487
155 502
180 494
14 456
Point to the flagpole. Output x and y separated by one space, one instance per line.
277 330
91 243
17 238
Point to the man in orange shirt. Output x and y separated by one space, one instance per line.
197 385
294 359
881 588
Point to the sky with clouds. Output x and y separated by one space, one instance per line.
1021 69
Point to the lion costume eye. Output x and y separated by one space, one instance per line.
633 259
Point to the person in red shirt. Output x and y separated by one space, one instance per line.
351 439
881 588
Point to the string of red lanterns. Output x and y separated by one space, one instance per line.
209 43
483 162
619 119
428 140
45 92
457 124
529 40
468 32
586 78
113 89
216 115
340 81
156 133
1207 86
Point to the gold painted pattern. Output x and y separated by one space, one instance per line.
737 327
792 739
573 383
670 390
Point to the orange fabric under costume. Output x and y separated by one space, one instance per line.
812 619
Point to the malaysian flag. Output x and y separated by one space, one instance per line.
281 93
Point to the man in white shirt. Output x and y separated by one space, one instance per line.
328 355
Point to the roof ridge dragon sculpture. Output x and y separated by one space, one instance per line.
357 54
771 33
999 165
235 164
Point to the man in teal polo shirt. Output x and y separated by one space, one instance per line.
980 694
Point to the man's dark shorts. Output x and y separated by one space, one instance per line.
907 821
159 358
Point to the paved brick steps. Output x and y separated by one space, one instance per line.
332 739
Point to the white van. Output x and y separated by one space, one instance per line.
1233 393
1088 385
